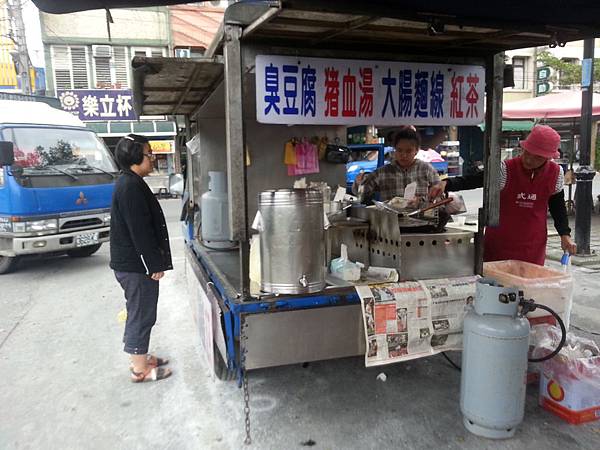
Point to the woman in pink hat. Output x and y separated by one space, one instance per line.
530 184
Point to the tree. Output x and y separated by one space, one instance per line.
566 73
62 153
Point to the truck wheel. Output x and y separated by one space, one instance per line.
221 370
84 251
8 263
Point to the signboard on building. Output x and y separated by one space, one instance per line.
298 90
98 104
162 147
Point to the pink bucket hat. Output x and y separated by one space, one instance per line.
542 141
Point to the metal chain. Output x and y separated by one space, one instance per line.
246 392
248 439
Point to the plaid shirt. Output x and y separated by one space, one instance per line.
391 180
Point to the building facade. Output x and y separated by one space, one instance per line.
88 67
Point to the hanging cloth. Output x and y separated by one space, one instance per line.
289 156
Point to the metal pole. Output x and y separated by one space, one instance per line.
490 214
18 37
236 157
585 173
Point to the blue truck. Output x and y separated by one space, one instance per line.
56 184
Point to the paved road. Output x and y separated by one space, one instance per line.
64 380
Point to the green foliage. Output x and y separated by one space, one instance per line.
570 73
62 153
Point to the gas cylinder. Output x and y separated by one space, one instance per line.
215 214
494 362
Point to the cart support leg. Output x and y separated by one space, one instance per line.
493 130
236 160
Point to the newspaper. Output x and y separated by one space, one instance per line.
413 319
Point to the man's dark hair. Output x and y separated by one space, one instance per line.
130 150
409 133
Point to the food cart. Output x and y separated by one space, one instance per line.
262 82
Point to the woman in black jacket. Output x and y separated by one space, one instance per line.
139 253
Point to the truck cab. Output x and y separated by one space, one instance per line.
56 183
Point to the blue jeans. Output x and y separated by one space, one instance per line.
141 294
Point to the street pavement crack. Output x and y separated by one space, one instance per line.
14 327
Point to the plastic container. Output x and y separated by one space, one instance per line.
255 265
550 287
570 382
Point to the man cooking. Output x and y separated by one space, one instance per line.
392 179
530 185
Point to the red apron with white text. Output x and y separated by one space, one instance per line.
522 232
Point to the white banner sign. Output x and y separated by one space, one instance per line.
298 90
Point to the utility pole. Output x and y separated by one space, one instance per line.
18 36
585 173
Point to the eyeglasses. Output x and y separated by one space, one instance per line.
405 152
150 156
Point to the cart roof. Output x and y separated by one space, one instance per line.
489 26
164 86
436 29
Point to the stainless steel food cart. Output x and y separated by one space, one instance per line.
216 95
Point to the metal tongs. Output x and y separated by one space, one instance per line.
387 207
428 208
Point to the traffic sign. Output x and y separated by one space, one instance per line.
543 88
543 73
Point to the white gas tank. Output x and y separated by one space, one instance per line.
494 362
215 212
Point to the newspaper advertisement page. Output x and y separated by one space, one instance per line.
413 319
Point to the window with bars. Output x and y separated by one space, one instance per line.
520 72
70 67
109 65
111 68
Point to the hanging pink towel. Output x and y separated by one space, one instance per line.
307 159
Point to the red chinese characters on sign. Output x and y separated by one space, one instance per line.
349 95
332 92
366 91
472 96
456 96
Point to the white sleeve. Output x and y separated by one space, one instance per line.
502 175
560 180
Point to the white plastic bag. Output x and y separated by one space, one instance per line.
343 268
457 206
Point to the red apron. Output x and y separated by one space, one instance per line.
522 232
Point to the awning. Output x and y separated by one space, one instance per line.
173 86
550 106
149 128
460 27
193 26
514 125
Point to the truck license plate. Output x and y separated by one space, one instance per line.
84 240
